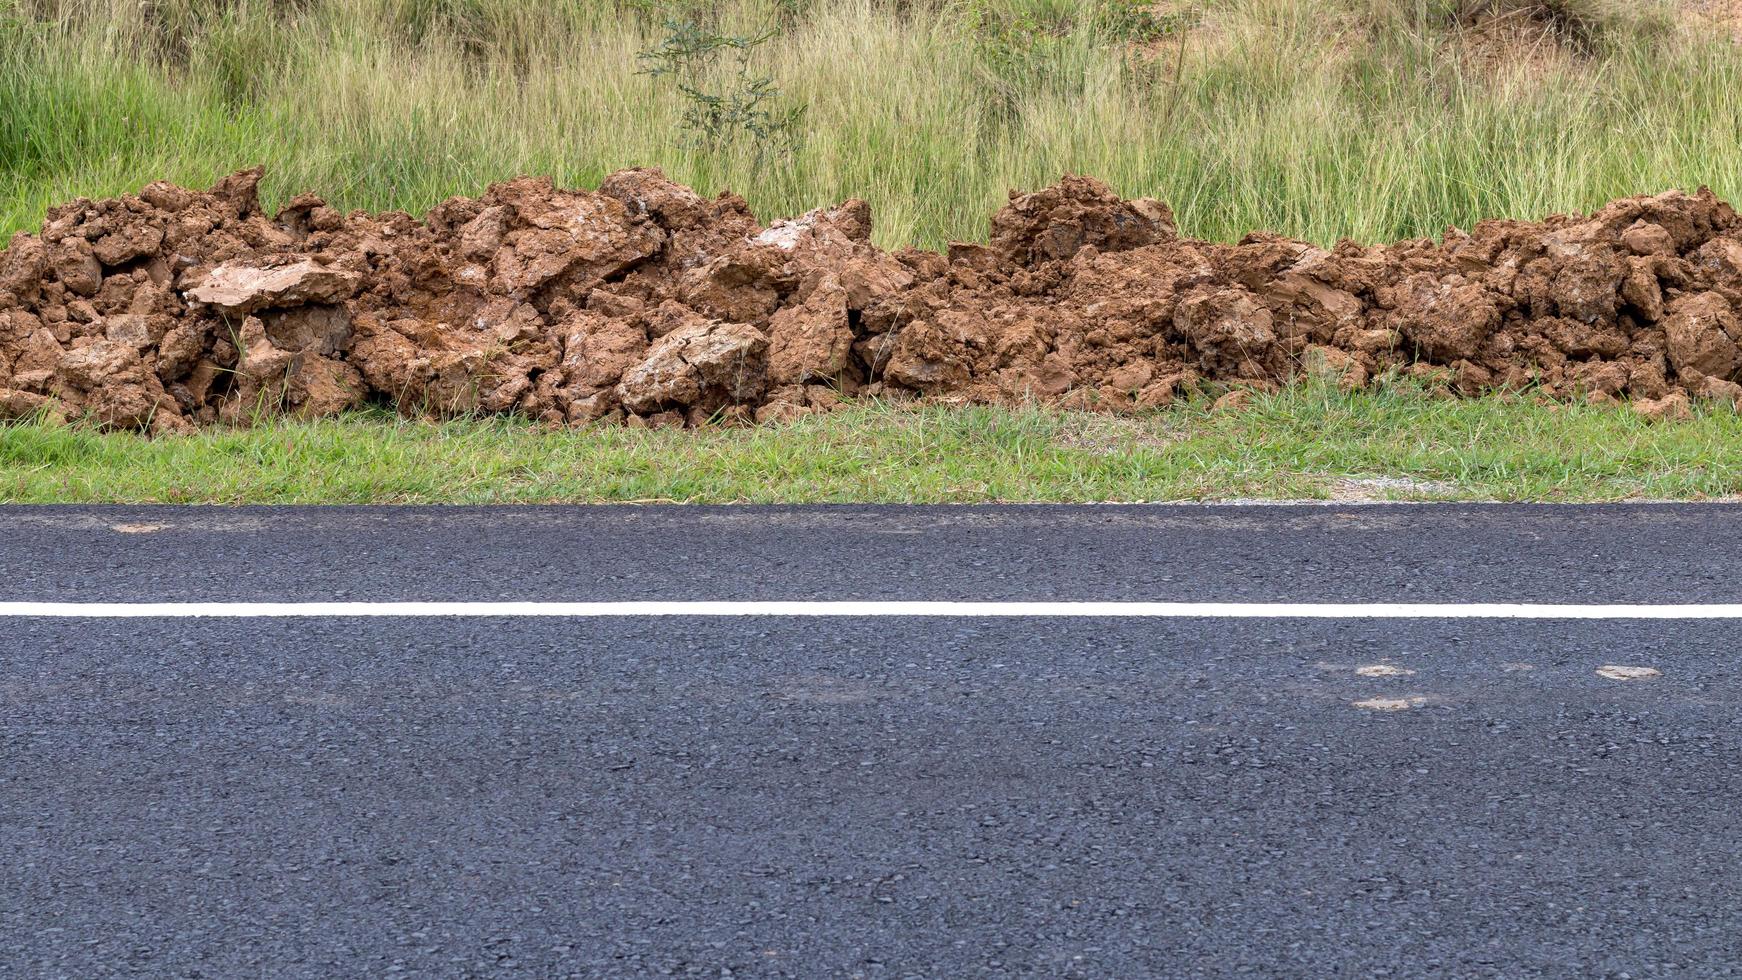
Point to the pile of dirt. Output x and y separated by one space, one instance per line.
643 302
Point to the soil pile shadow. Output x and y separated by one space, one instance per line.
643 302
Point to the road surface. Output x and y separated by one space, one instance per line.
877 796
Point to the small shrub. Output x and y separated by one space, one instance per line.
1018 49
1138 21
1588 25
718 110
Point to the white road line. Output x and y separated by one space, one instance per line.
855 609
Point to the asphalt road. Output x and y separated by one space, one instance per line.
889 797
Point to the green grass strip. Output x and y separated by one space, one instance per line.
1307 442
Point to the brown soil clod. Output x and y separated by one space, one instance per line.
644 302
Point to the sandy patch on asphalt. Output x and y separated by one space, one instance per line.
1617 672
1389 704
1383 670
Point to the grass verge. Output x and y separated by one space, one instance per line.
1306 442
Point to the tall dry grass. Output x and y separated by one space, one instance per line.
1371 119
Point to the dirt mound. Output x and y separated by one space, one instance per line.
646 303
